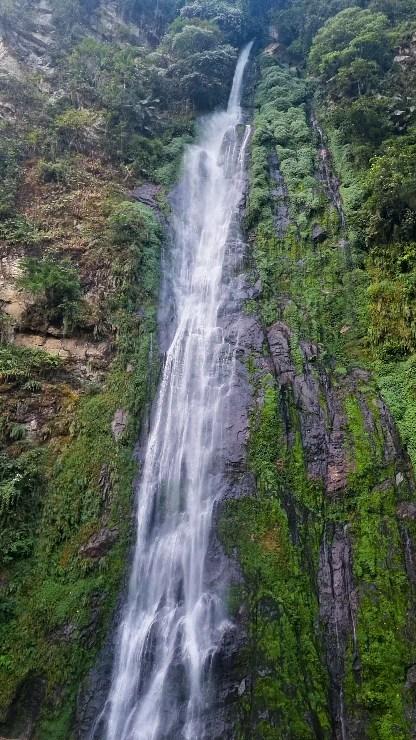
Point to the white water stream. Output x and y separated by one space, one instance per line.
174 619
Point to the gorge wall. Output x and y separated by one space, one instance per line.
96 102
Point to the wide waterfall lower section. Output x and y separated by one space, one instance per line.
175 617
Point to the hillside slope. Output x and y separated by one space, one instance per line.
97 100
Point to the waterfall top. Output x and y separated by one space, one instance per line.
235 95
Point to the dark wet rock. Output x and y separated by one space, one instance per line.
325 173
240 485
65 633
280 197
89 723
338 604
392 445
105 483
320 399
319 234
320 402
90 712
409 554
24 712
322 419
245 333
234 447
147 194
119 424
99 544
407 510
279 343
411 678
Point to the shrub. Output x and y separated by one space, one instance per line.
57 172
132 224
56 284
77 127
390 211
19 230
20 488
20 364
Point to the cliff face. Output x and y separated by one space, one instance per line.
90 145
326 544
96 103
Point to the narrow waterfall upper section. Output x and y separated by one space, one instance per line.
175 619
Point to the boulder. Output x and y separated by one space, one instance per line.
319 234
146 194
407 510
119 424
99 544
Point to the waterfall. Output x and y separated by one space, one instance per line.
175 618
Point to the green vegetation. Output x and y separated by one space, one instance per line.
86 484
348 287
9 171
56 285
124 108
382 629
305 282
64 478
21 488
19 364
288 691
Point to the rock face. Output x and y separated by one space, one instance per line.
33 45
67 348
147 194
119 424
321 400
338 604
319 234
327 543
99 544
87 358
24 712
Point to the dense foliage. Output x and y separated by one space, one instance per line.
111 106
106 105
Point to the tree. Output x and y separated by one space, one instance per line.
201 64
365 120
229 18
356 44
390 210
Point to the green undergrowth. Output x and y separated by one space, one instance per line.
20 364
397 381
56 603
276 535
309 283
125 112
383 647
318 279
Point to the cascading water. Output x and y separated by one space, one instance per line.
174 618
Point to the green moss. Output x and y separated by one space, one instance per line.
310 285
88 483
321 291
382 636
361 448
288 682
398 384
